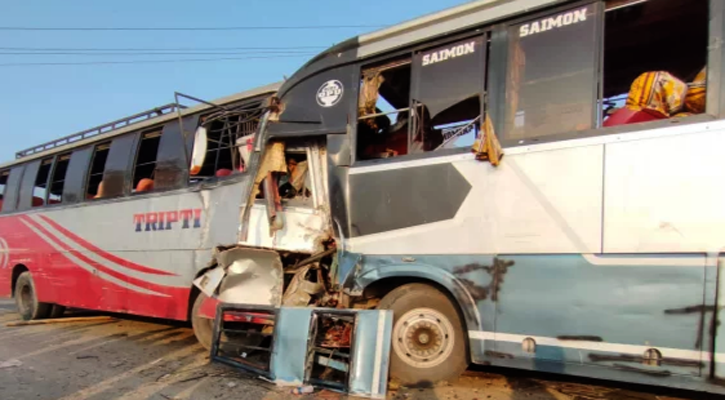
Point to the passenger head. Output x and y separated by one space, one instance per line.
291 165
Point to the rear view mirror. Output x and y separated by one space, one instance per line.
198 153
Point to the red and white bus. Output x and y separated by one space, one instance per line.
110 219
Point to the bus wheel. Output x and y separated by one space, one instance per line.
428 338
27 301
203 327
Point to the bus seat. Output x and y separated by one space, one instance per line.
38 202
625 116
223 172
145 185
1 204
51 201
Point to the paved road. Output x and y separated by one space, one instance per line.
132 358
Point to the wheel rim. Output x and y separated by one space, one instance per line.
423 338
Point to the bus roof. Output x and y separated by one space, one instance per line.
79 139
417 30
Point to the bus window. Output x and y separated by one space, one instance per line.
172 165
119 166
220 151
3 181
447 91
40 191
642 51
12 189
143 172
76 177
94 189
57 181
551 84
383 111
26 198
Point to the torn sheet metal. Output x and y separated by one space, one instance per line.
245 276
303 349
300 290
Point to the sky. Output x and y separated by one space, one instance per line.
39 103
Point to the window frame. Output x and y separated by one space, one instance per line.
122 166
27 185
12 188
483 56
410 52
714 108
53 169
2 191
505 42
137 153
53 159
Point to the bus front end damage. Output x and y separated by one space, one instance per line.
282 315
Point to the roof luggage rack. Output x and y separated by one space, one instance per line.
109 127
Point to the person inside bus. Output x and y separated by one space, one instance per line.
99 191
293 183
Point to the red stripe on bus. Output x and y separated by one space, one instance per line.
108 256
134 281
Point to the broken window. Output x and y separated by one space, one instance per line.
383 110
243 338
295 184
143 172
292 181
41 183
330 356
448 84
98 165
652 71
551 84
230 134
57 181
3 181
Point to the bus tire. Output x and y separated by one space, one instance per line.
203 327
428 342
26 299
57 311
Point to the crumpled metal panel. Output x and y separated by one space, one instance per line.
250 276
370 355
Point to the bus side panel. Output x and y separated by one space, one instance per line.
604 310
544 202
137 255
665 193
20 246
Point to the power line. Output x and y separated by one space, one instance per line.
148 61
157 48
211 28
71 53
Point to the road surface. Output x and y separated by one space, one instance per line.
135 358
